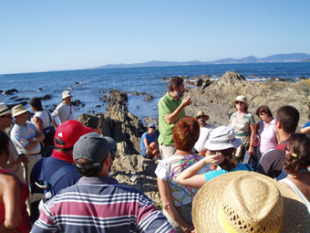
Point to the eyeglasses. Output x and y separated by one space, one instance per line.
262 113
8 116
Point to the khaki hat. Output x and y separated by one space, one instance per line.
243 201
201 113
241 98
18 110
4 109
66 94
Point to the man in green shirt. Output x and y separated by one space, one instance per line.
170 110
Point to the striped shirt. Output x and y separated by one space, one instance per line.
100 204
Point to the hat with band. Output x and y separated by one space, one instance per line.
4 109
18 110
243 201
66 94
241 98
201 113
222 138
94 148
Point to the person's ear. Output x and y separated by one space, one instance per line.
175 88
108 161
279 125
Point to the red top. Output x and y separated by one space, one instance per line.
24 226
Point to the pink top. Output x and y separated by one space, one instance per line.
267 136
24 226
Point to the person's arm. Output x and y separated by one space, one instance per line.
146 143
252 139
305 130
12 191
164 192
39 136
172 117
38 123
189 176
257 128
54 115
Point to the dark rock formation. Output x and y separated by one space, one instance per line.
46 97
76 103
21 99
10 92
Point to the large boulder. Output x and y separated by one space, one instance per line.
216 98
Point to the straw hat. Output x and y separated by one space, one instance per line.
222 138
245 201
4 109
66 94
201 113
18 110
241 98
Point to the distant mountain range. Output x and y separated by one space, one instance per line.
292 57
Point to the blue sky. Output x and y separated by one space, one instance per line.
63 35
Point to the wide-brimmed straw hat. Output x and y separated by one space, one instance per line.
18 110
201 113
66 94
243 201
4 109
222 138
241 98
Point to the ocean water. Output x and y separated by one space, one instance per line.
93 82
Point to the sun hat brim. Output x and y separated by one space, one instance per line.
207 200
240 99
218 146
21 112
5 112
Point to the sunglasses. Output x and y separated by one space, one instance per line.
8 116
262 113
238 102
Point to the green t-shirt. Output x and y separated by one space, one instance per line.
166 106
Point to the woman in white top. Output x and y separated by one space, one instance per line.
296 165
41 119
267 133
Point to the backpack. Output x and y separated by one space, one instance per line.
48 185
49 133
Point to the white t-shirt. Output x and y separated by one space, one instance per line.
64 112
45 116
203 137
20 135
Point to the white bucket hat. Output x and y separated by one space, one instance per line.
66 94
18 110
4 109
222 138
243 201
241 98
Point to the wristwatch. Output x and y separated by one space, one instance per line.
34 139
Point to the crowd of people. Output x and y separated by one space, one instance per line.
240 177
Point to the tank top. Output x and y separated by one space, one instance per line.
45 116
297 191
24 226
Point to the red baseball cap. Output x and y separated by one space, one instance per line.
70 131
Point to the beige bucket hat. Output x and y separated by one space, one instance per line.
18 110
245 201
66 94
241 98
201 113
4 109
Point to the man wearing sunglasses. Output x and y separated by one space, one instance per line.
97 203
14 163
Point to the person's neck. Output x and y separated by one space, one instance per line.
173 95
268 120
283 136
65 103
241 111
183 153
2 128
202 126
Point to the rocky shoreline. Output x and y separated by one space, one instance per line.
213 97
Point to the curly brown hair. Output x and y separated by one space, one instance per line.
186 133
298 144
